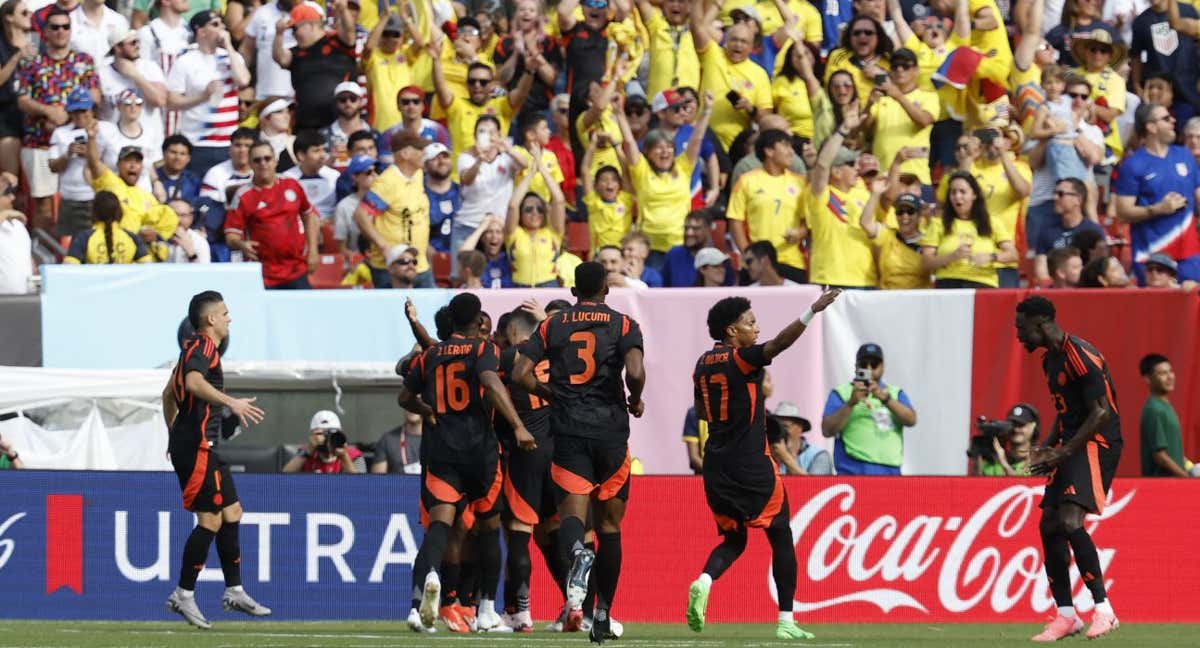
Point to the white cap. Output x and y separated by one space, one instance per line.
432 151
709 256
395 252
325 420
120 36
351 87
274 107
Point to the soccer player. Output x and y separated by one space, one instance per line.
447 386
587 346
192 402
1080 458
741 480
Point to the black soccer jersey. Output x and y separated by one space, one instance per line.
728 388
447 376
198 421
586 346
1078 376
533 410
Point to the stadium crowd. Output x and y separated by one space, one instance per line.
496 143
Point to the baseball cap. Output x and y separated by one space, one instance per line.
636 100
303 13
325 420
274 107
202 18
1022 414
1160 259
709 256
870 350
129 97
665 99
789 410
845 156
127 151
749 11
395 252
359 163
394 24
349 87
433 150
80 99
411 90
120 36
908 200
904 54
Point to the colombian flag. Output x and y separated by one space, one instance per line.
958 68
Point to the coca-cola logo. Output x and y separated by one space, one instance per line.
992 557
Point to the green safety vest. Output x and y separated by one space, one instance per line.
862 436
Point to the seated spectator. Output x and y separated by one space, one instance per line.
107 241
1069 196
1163 272
10 459
794 453
488 238
177 181
534 231
471 268
16 248
187 245
401 262
1011 453
610 208
224 179
636 249
620 274
711 266
1104 272
445 196
662 183
345 230
396 451
320 60
1064 267
68 160
327 450
962 247
1091 244
841 253
318 180
767 204
899 248
760 260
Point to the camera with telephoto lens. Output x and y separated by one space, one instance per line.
334 439
981 444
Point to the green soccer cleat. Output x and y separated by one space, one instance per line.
697 604
789 630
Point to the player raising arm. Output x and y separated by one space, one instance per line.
741 481
1080 458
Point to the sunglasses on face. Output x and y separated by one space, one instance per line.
863 32
478 82
529 209
391 34
902 66
906 212
635 111
265 159
1060 194
411 102
59 27
245 103
1082 96
563 111
404 262
9 191
1100 49
347 99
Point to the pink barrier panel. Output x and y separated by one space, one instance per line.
906 549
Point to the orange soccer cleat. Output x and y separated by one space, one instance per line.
453 619
1102 624
1060 628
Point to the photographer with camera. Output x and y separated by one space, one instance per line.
328 450
1001 449
10 459
868 416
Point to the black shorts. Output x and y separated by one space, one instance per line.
744 493
473 486
585 466
12 121
1084 478
528 492
205 480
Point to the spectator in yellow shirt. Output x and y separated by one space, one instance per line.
864 50
141 212
1102 52
387 66
462 114
1006 182
792 88
900 113
610 209
899 248
673 59
535 134
963 247
841 253
767 204
741 90
534 230
106 241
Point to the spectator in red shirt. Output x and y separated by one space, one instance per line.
327 450
560 143
274 223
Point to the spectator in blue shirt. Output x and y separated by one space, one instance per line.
489 239
679 269
177 181
1069 194
636 248
445 199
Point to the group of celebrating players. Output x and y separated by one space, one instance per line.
545 421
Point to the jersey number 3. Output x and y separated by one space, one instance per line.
587 355
721 381
451 388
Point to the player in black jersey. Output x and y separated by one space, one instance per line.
588 346
462 480
741 479
1080 457
192 402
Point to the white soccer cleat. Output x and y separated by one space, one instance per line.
239 601
431 597
521 622
486 619
414 623
616 628
186 607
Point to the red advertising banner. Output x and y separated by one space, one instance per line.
906 549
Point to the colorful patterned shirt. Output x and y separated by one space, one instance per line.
49 81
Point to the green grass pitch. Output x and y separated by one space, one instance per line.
342 634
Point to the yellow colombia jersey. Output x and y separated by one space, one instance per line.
770 206
842 59
139 208
386 75
899 263
1003 203
809 23
532 255
462 115
993 44
790 97
1108 88
841 251
90 246
664 200
608 222
400 210
538 184
747 78
606 155
963 232
673 59
895 129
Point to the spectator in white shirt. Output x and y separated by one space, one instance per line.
760 259
485 172
128 70
272 80
68 147
91 23
620 274
223 180
16 249
318 180
132 131
188 245
166 37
